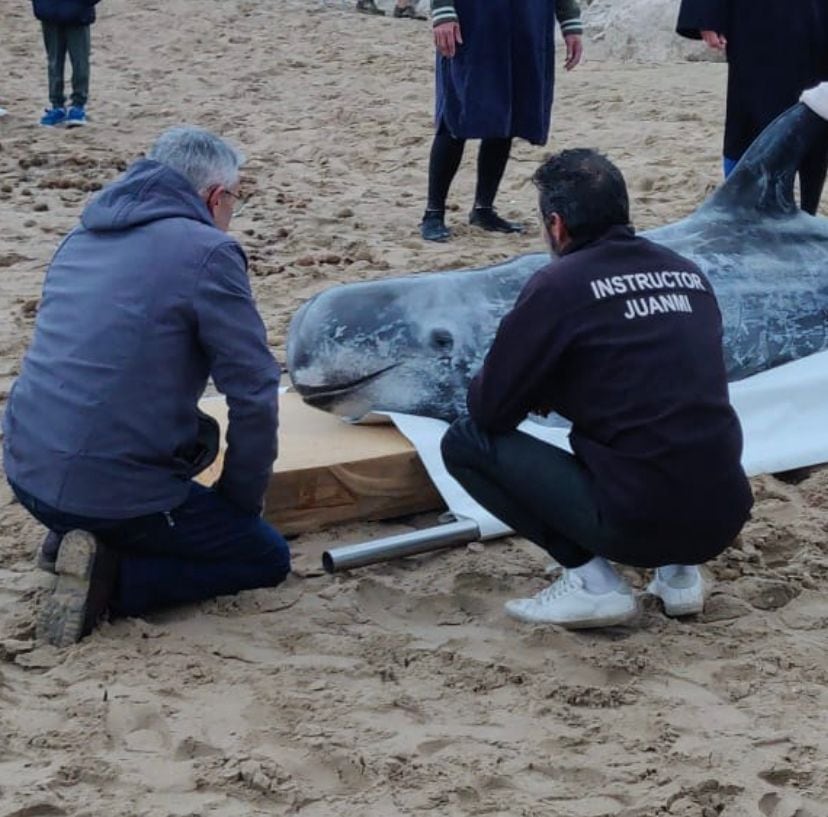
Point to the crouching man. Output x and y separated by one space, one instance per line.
624 338
144 301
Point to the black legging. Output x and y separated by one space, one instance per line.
546 495
446 153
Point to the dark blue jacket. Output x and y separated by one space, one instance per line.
624 338
68 12
141 304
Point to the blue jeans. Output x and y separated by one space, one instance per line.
203 548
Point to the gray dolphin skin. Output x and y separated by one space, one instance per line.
412 344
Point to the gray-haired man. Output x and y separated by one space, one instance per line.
143 301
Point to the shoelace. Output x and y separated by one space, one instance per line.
564 585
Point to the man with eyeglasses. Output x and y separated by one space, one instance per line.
143 302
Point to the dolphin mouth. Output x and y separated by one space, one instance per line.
326 393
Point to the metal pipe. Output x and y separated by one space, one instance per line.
453 534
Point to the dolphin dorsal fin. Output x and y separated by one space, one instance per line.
763 181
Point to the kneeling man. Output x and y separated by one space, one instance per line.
143 302
623 338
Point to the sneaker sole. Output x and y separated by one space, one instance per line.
63 616
587 623
613 621
678 610
75 125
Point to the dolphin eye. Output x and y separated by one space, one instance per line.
441 339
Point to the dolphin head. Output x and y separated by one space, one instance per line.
401 344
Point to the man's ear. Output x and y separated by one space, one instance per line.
561 231
554 223
213 197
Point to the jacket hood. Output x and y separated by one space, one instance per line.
148 191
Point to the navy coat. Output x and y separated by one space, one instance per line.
774 50
500 82
68 12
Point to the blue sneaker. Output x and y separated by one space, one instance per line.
76 117
53 117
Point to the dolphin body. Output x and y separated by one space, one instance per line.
412 344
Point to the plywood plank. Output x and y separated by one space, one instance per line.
330 472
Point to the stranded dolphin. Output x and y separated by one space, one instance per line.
412 344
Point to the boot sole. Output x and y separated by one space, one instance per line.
63 617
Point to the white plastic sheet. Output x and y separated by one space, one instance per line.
784 416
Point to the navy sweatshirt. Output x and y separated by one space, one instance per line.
623 337
65 12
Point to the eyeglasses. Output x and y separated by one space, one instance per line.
241 199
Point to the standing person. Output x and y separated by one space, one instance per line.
66 27
624 338
774 52
402 8
143 301
494 82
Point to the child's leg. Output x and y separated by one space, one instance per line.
54 39
79 43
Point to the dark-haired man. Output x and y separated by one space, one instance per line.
655 479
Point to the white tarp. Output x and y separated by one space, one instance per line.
784 416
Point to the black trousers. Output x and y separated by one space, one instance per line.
547 496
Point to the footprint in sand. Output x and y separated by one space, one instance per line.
773 804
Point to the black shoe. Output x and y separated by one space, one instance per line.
433 226
48 551
409 10
369 7
86 576
487 219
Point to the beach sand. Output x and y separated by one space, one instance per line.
399 689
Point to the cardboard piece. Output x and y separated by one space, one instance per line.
329 471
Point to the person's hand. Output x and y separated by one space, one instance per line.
574 50
716 41
447 37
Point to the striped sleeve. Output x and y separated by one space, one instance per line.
568 13
442 11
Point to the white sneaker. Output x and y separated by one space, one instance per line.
568 603
683 594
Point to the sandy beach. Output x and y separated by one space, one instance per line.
400 689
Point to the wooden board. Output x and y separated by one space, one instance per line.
329 471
